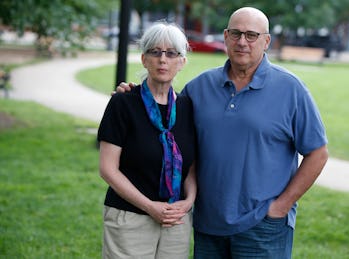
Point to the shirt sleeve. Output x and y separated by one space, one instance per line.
309 129
113 126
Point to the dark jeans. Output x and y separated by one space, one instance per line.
270 239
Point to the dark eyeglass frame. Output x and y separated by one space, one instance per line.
250 36
158 53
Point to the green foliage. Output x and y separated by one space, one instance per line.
213 15
295 14
216 13
155 5
290 14
67 22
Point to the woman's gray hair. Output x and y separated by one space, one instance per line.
163 33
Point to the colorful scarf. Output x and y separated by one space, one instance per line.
171 173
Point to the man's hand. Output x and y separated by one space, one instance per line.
276 210
124 87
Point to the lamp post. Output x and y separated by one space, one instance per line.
125 13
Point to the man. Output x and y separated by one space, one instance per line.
252 119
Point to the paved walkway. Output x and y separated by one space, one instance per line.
53 84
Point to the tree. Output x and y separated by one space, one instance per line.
291 15
214 14
309 22
67 22
143 6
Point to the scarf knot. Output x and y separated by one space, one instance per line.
171 172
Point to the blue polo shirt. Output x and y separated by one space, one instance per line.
248 144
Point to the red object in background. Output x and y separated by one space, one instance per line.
208 43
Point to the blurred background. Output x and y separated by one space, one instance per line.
64 27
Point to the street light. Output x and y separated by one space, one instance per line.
126 6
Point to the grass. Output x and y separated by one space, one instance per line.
322 230
51 195
327 83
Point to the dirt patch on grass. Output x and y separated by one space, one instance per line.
7 121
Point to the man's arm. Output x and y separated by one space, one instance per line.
310 168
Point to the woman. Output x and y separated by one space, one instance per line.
147 151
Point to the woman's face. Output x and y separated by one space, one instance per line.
162 63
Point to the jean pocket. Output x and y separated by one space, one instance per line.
271 220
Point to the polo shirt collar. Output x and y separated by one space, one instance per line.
258 78
227 81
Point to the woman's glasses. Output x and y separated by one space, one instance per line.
250 36
170 53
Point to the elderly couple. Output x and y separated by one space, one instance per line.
225 149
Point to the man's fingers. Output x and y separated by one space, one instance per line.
124 87
121 88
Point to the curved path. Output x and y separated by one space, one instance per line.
53 84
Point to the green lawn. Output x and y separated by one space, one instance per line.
51 194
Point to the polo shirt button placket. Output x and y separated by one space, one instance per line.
232 94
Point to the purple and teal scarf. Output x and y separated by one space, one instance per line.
171 173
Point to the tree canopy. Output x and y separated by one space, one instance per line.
67 21
291 16
70 21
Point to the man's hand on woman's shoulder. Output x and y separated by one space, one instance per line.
123 87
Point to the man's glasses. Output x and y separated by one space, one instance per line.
170 53
250 36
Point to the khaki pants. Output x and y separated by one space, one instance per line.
131 235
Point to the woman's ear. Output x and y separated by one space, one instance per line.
184 60
143 60
181 63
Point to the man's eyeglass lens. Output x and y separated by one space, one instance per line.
250 36
158 53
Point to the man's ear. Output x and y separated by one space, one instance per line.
267 42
